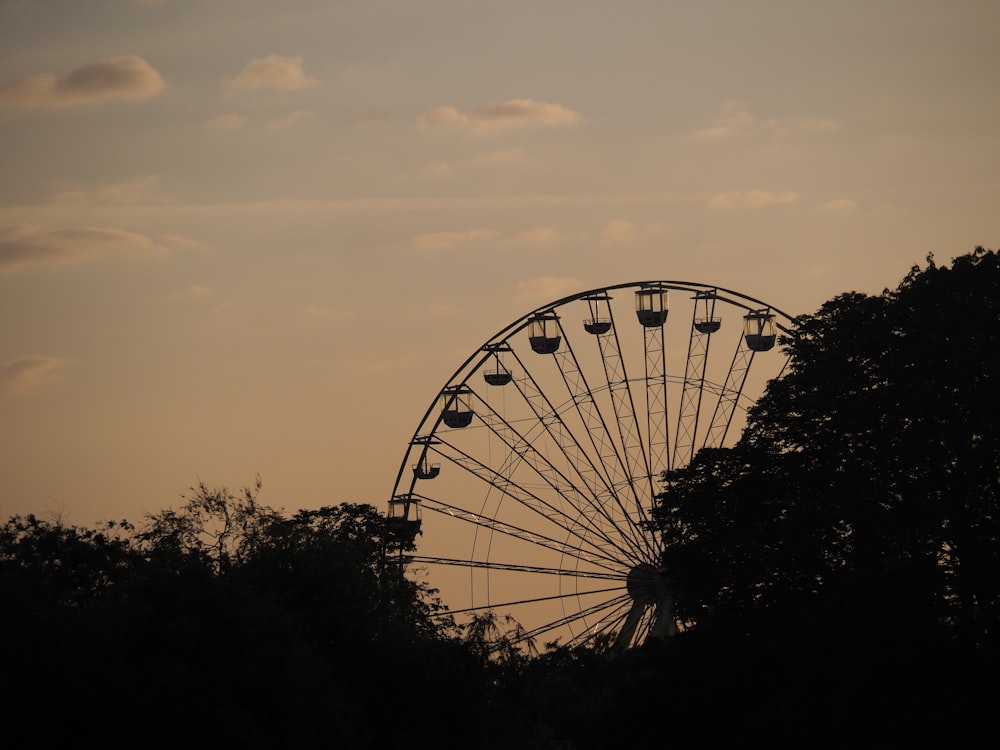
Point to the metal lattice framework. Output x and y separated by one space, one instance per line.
531 476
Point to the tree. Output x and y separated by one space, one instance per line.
856 524
233 623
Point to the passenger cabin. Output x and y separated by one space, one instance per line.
498 374
597 326
404 520
457 411
759 331
599 321
651 306
705 320
497 377
426 470
543 333
707 325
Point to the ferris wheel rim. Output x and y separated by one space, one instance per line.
737 298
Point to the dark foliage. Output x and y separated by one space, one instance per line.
848 547
226 624
836 574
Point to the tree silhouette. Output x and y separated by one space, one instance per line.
851 539
222 622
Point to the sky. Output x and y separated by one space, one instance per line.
249 237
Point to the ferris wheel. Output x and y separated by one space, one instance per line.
527 487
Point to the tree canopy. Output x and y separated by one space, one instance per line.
858 515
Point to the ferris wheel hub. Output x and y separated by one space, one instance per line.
646 584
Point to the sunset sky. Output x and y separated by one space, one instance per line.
244 237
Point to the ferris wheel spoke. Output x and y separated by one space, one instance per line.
491 524
725 406
633 454
703 324
600 496
522 449
612 622
558 572
599 509
581 396
599 537
656 402
608 612
550 419
604 443
535 600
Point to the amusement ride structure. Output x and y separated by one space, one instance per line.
526 489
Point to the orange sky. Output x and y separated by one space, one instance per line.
243 238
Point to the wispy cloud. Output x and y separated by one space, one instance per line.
736 121
733 120
138 190
540 237
751 199
545 288
440 169
227 123
198 291
432 242
31 372
273 72
623 232
514 114
25 246
286 122
842 206
233 121
124 78
620 232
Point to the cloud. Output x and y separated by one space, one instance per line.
227 123
736 121
446 241
232 121
752 199
139 190
25 246
124 78
538 237
547 287
533 237
272 72
439 169
733 120
623 233
29 373
784 128
180 242
842 206
283 123
374 115
198 291
620 232
514 114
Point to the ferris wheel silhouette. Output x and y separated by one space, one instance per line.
526 489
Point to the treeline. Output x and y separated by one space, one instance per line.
836 578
